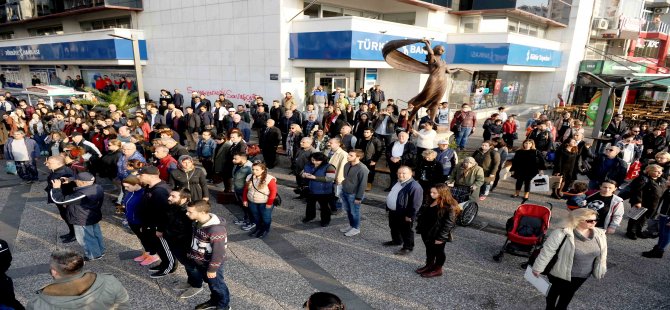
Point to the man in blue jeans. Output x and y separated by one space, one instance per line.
463 125
207 253
353 190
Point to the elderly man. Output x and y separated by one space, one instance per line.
165 162
301 159
243 126
269 141
400 153
402 204
84 211
56 164
74 288
348 140
338 158
447 157
607 166
174 148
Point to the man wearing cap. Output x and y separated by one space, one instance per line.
228 119
446 157
153 214
84 211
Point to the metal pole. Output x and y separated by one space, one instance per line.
665 102
624 94
602 108
138 70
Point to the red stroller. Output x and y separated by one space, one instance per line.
525 230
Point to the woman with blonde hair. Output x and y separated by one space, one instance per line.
581 251
435 222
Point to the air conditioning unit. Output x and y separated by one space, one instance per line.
662 10
602 23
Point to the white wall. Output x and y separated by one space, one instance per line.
230 47
544 86
400 84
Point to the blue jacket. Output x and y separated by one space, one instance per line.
122 172
31 145
84 205
206 148
410 199
321 185
131 201
448 160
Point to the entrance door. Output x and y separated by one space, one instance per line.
340 82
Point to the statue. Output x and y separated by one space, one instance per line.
436 67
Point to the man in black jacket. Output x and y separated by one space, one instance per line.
607 166
238 146
153 214
84 211
400 153
373 150
192 128
178 232
174 148
542 137
269 141
403 203
616 128
56 165
177 99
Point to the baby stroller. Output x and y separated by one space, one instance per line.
525 230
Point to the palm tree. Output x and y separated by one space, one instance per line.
123 99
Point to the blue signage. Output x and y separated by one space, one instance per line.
356 45
349 45
107 49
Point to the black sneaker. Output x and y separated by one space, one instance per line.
210 304
68 240
87 259
66 236
159 274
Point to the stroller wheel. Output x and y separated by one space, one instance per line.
470 210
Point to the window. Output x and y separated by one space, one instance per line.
7 35
521 27
118 22
46 31
313 10
470 24
324 11
402 18
513 26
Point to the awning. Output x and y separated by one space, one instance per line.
658 79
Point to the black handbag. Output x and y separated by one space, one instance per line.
552 261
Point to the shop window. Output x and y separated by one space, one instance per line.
470 24
523 28
313 10
324 11
513 26
119 22
46 31
7 35
401 18
329 11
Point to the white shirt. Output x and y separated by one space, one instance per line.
392 198
397 149
20 151
503 116
426 139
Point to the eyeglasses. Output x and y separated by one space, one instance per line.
591 221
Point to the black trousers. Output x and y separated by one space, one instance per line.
371 168
178 248
62 210
161 248
401 230
208 165
562 291
393 172
147 243
434 252
324 207
635 226
524 182
270 156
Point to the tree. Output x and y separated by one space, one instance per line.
123 99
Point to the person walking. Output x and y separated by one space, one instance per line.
609 206
353 190
526 164
402 203
24 152
84 210
645 192
320 175
566 165
581 251
463 125
509 131
663 226
435 222
207 255
259 196
489 160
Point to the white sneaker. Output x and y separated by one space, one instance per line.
343 230
352 232
182 287
190 292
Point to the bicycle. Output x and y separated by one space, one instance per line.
469 207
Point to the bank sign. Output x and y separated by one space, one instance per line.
356 45
107 49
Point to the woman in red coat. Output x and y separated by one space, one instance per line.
509 131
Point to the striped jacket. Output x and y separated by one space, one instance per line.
208 247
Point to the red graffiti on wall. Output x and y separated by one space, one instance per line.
230 94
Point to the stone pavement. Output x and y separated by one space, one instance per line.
296 259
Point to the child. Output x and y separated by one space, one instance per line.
207 254
205 152
576 196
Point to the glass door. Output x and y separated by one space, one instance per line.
340 82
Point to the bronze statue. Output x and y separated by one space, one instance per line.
436 85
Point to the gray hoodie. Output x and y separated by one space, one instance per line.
82 291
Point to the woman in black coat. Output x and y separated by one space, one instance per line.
435 222
645 191
526 164
565 165
360 125
190 177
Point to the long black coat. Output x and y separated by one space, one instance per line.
566 163
526 164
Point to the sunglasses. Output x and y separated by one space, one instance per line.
591 221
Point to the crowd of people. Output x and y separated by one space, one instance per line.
163 161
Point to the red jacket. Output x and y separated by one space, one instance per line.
509 127
165 165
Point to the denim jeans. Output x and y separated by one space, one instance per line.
262 216
462 137
663 232
353 209
217 286
90 238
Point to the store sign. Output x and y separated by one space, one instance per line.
593 66
349 45
502 54
622 67
523 55
108 49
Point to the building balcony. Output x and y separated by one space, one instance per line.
98 47
22 11
552 12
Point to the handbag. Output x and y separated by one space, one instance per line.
10 167
276 202
633 170
552 261
652 224
540 184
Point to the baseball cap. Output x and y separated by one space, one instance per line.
443 142
185 157
150 170
85 176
